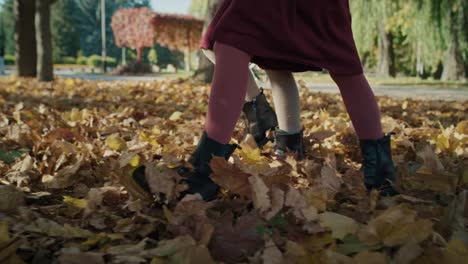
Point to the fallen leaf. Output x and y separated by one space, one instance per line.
10 198
367 257
260 197
408 253
115 142
339 224
234 242
272 254
230 177
161 179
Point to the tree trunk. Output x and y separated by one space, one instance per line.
205 67
386 52
25 38
187 60
139 52
454 68
45 65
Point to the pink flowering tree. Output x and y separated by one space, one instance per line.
134 28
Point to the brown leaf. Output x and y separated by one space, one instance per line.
230 177
161 179
330 180
81 257
272 254
260 197
63 178
367 257
234 242
408 253
10 198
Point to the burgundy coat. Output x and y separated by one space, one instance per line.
292 35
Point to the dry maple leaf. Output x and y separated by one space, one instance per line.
230 177
232 243
395 227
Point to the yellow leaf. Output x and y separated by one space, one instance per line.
442 142
69 83
135 161
175 116
116 143
79 203
456 252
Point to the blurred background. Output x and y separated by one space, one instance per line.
413 41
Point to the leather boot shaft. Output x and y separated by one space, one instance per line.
377 166
289 142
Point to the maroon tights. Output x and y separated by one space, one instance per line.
229 88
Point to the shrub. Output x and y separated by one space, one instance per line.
69 60
96 61
10 60
81 60
153 56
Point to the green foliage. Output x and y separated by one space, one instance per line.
198 8
7 24
65 34
153 56
167 56
10 60
87 17
68 60
96 61
82 60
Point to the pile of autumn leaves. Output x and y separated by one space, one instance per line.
67 148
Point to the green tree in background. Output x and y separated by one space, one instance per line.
371 26
87 17
198 8
153 56
450 19
8 27
66 36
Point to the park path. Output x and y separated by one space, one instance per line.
395 91
414 92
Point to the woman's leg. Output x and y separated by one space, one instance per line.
361 105
286 100
228 91
252 88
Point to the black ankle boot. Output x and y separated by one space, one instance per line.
289 142
260 118
198 179
377 165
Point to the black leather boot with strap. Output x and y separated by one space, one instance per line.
289 142
379 170
260 118
198 179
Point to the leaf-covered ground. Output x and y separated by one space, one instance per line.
67 148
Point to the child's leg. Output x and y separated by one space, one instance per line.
361 105
252 87
228 91
286 99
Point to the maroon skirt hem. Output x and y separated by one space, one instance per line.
289 35
267 61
